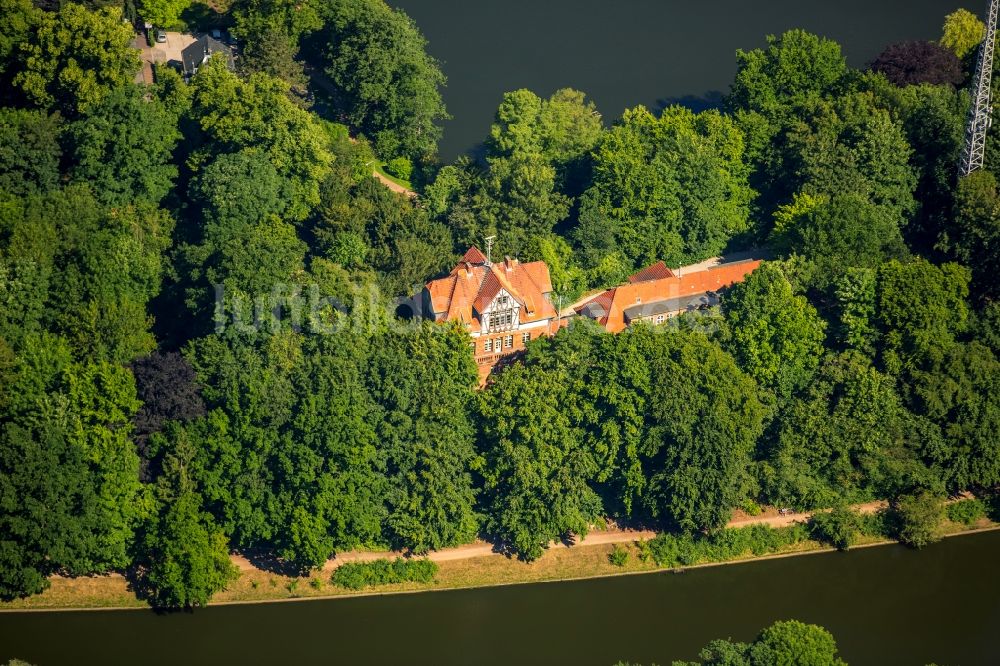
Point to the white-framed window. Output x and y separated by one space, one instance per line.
525 338
488 345
497 345
659 319
499 320
508 342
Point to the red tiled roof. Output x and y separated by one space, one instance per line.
657 271
474 256
614 302
471 287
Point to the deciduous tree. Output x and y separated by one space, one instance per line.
29 151
672 188
705 421
256 114
163 13
76 57
920 518
537 473
775 335
422 381
123 148
974 236
184 557
962 32
912 63
387 84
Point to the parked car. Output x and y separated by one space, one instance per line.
161 35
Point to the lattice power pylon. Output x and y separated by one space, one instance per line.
980 113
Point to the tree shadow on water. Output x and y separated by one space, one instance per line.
697 103
135 578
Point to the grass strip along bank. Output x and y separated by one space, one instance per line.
664 552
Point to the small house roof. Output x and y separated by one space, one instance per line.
195 53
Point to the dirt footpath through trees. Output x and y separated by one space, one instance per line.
770 517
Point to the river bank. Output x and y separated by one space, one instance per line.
586 560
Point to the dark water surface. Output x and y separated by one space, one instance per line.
887 605
628 52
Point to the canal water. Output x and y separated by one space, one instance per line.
886 605
628 52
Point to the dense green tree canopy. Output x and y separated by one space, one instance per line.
974 236
787 642
123 148
421 380
199 353
775 335
851 145
671 188
706 418
71 492
920 308
17 21
536 473
933 119
794 67
842 232
562 129
832 441
386 83
257 115
76 57
184 555
959 392
162 12
29 151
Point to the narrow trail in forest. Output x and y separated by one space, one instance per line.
320 79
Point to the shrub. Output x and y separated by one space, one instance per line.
966 512
876 524
993 507
359 575
645 552
750 507
315 583
919 519
400 167
669 550
839 527
618 556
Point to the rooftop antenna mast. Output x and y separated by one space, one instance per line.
489 243
980 113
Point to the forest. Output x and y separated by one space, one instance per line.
199 347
